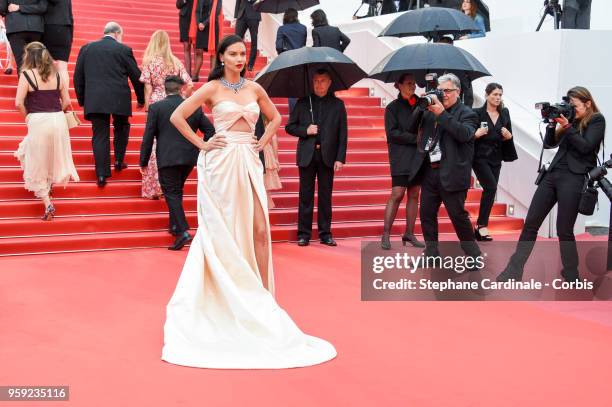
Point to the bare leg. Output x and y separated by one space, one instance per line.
260 238
198 63
187 53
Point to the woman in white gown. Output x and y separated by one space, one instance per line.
223 313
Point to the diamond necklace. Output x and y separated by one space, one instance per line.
233 86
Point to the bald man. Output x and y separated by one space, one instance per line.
101 84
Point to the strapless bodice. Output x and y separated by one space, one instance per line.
227 112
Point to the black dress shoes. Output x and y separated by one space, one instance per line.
328 241
303 242
101 181
120 166
181 240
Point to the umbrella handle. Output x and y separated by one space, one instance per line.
311 114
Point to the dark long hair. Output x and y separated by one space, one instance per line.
291 16
318 18
489 89
218 69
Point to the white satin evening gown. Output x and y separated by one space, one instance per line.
221 315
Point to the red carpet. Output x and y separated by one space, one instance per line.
123 220
94 321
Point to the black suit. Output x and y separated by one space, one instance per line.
176 156
59 12
101 84
562 184
247 17
316 156
448 183
489 152
329 36
23 26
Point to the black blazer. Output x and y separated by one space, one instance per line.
329 36
59 12
244 9
290 36
101 78
172 148
28 18
332 130
401 126
456 128
581 149
492 147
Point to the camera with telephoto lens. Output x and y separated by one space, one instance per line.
430 89
550 112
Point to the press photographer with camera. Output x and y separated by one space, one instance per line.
494 144
447 137
578 129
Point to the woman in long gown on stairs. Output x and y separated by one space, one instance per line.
223 313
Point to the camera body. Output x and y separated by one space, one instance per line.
431 89
553 111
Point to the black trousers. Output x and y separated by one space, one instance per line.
172 181
488 176
432 196
100 141
577 19
253 27
18 42
325 178
562 187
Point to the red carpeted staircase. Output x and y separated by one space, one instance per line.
115 217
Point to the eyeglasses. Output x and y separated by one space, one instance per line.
448 91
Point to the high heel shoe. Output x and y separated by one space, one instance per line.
406 238
385 242
480 237
49 213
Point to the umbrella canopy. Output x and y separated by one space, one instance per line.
290 74
280 6
421 59
430 22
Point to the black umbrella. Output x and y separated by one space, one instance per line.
421 59
430 22
290 74
280 6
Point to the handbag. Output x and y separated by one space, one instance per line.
588 199
72 120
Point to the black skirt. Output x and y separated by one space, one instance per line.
406 180
58 40
202 37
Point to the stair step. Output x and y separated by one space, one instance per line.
160 238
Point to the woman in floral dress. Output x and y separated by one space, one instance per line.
157 63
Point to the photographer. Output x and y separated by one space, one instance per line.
493 145
562 183
448 129
576 14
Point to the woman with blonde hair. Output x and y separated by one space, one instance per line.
45 153
158 62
